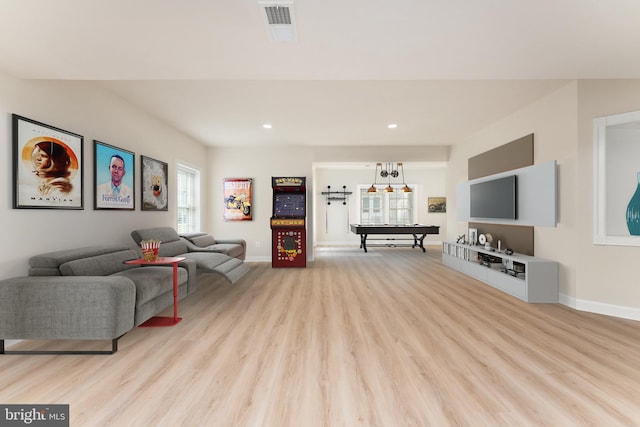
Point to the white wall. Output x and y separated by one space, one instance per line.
607 275
594 278
85 109
263 163
332 221
260 164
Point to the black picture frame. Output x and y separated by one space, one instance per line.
48 166
154 180
112 165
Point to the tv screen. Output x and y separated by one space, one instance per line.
289 205
495 199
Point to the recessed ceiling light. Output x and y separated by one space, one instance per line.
392 125
267 126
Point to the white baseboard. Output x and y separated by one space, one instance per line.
258 259
623 312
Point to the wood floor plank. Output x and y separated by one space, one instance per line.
387 338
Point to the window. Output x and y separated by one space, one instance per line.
188 209
371 207
387 208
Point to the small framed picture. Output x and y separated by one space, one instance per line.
437 204
48 166
473 236
113 178
154 184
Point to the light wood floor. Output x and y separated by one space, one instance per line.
390 338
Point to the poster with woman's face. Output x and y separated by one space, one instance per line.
48 166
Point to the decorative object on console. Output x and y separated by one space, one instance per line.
489 238
389 172
633 211
473 236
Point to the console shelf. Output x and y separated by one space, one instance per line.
529 278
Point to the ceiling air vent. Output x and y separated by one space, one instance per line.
278 16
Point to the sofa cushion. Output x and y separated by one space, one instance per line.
100 265
203 241
232 249
152 281
214 262
207 260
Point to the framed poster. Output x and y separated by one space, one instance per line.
237 199
154 184
113 173
47 166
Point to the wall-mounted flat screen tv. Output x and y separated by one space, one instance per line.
495 199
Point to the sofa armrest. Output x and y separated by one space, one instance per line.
191 247
66 307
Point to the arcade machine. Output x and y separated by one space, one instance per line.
289 236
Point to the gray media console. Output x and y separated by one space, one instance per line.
529 278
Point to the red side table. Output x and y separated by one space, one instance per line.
163 320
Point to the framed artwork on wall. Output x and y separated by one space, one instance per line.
154 184
616 218
113 177
237 199
48 166
437 204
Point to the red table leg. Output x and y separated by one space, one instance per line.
163 320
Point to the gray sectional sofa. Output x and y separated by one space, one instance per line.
87 293
91 294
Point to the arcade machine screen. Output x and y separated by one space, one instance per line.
289 205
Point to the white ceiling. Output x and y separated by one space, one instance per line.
440 69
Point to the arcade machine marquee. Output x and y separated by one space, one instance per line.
288 223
